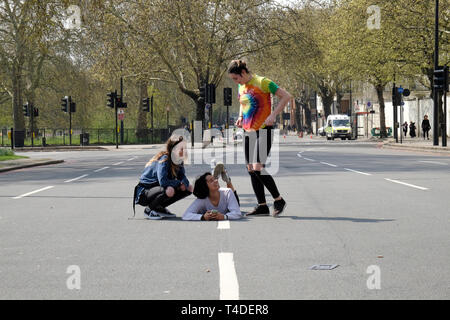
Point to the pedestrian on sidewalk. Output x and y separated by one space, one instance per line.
412 129
163 181
405 128
426 127
257 119
214 203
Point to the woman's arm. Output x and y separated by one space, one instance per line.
163 175
284 97
195 210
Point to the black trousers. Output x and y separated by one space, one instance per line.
156 197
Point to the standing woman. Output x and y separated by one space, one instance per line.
163 181
257 119
426 127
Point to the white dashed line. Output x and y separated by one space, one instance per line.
101 169
225 224
406 184
367 174
77 178
229 286
33 192
329 164
309 159
118 163
435 162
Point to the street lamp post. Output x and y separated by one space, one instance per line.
436 66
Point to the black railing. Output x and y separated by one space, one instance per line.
86 136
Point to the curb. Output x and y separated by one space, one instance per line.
435 149
29 165
59 149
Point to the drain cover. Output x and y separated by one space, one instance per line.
323 266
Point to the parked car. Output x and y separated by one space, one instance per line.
321 131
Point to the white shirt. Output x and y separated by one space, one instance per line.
228 205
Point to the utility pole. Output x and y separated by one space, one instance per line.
435 91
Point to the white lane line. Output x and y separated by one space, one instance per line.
329 164
101 169
131 159
435 162
229 286
225 224
309 159
33 192
77 178
406 184
367 174
118 163
299 155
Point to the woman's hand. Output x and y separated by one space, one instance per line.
191 188
238 122
270 120
213 216
182 187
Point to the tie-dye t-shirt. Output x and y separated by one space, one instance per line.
254 97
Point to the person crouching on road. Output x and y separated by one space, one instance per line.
213 202
163 181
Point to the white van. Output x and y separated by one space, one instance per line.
338 126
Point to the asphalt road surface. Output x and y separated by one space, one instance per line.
381 216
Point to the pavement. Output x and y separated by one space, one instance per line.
410 144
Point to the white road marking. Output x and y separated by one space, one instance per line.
229 286
299 155
77 178
435 162
131 159
101 169
329 164
224 224
118 163
33 192
406 184
309 159
367 174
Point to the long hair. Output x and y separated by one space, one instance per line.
170 144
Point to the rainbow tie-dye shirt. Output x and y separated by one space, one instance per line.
254 97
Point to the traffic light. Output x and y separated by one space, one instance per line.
203 92
65 104
146 105
396 97
26 110
440 79
210 93
227 97
112 96
35 112
73 107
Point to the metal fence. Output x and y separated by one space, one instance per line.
102 136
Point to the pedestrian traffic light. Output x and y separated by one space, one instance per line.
73 107
146 105
111 99
203 92
210 93
35 112
26 110
440 79
227 97
65 104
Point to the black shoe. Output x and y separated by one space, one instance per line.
278 207
259 210
164 212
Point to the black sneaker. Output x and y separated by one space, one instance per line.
260 210
278 207
164 212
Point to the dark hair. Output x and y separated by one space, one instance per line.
236 67
201 189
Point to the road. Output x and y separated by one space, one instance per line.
67 231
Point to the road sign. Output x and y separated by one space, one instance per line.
121 114
400 89
369 104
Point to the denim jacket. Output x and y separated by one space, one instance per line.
159 172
